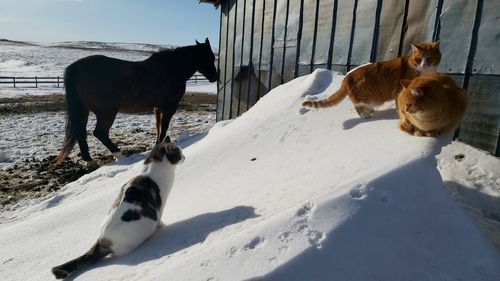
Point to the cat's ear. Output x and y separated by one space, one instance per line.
206 41
416 92
405 83
415 47
197 43
435 44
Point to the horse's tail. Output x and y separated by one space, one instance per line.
75 116
332 100
91 257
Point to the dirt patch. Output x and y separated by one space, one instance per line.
36 176
57 102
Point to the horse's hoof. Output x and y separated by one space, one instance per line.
91 164
118 155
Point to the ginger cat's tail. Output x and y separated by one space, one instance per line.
95 254
332 100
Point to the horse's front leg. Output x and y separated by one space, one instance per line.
167 113
158 118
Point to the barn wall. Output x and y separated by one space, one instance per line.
264 43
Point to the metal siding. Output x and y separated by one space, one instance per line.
420 20
222 64
291 40
457 20
229 61
342 32
324 30
266 46
246 46
306 44
363 35
391 21
279 37
238 45
257 41
487 59
481 124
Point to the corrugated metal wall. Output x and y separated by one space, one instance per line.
264 43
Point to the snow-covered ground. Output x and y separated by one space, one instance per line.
49 60
280 193
42 134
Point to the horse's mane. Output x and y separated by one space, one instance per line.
167 54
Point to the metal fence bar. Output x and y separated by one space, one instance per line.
351 40
250 59
284 42
243 23
270 78
332 35
299 39
260 48
404 28
315 35
15 81
376 30
437 21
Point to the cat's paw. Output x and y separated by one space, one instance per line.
59 273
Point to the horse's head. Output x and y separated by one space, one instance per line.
205 61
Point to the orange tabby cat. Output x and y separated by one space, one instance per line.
430 104
376 83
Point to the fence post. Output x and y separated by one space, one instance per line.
57 81
36 82
196 79
14 81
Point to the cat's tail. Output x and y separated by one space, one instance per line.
332 100
95 254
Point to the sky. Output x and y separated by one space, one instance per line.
174 22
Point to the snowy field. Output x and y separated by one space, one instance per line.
283 193
50 59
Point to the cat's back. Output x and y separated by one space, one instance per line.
376 69
134 215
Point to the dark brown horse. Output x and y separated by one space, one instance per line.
107 86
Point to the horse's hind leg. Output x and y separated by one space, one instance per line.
101 132
81 138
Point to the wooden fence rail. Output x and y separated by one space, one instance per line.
58 81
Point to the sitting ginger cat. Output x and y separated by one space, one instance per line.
430 104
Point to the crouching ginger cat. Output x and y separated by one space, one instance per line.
430 104
372 85
137 211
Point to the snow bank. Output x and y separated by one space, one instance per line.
473 179
280 193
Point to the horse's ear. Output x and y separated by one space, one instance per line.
197 43
206 41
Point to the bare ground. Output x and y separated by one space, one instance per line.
37 177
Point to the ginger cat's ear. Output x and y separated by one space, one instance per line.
405 83
416 92
415 48
435 44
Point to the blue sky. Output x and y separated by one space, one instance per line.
175 22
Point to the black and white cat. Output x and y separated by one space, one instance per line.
137 211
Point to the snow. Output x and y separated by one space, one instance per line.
473 178
48 129
280 193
